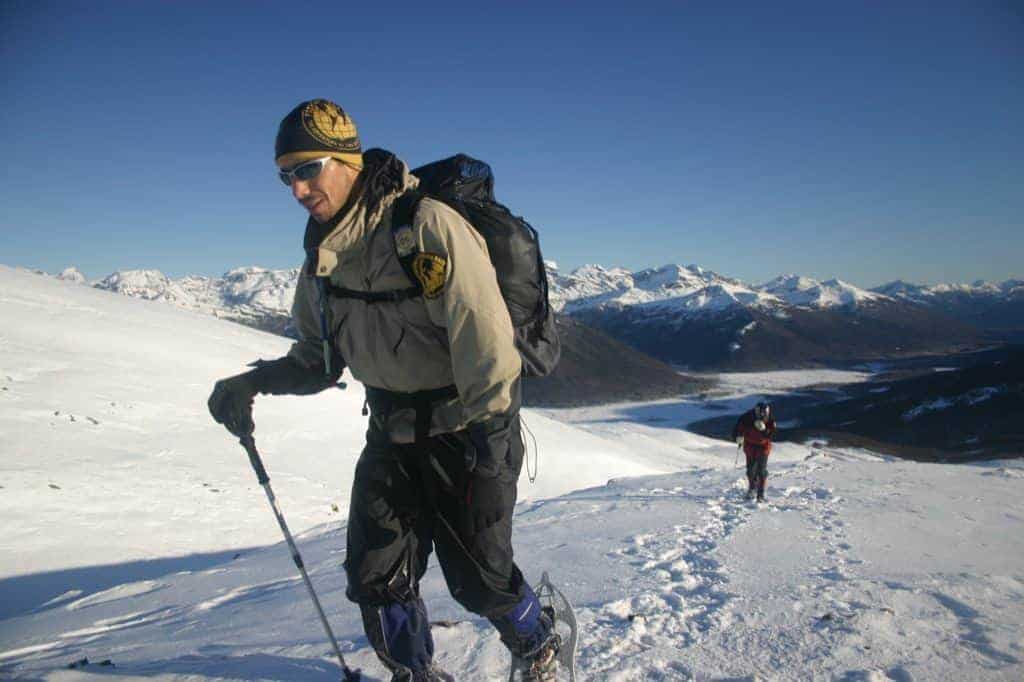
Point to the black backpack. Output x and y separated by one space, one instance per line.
467 186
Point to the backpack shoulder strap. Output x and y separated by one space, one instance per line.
404 208
403 236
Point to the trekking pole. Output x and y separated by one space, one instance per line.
249 443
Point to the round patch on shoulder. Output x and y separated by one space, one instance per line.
329 125
405 241
431 272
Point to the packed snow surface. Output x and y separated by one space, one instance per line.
134 530
104 400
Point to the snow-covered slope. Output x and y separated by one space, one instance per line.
105 397
134 530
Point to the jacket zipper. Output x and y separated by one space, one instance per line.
325 343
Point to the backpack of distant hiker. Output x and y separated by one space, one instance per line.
467 186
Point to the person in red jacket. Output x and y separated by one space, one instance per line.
754 431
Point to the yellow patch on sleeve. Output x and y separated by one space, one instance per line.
431 271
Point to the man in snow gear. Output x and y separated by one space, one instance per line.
442 375
754 432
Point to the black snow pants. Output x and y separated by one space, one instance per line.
408 500
757 471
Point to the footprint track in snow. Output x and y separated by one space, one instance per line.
838 561
686 590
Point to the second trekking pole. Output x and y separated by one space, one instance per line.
249 443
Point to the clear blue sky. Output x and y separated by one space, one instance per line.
867 141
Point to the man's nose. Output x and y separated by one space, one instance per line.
300 189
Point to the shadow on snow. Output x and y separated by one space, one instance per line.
25 594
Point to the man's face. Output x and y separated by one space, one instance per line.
324 195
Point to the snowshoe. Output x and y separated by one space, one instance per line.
556 658
541 665
749 495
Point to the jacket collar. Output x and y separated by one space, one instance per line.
384 178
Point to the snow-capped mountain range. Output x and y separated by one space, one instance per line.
697 318
1010 289
692 289
249 292
688 289
685 315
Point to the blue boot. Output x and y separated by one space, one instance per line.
529 633
400 634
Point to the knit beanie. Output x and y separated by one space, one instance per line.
315 129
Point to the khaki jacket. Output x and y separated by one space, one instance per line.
459 333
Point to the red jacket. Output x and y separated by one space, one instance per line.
754 442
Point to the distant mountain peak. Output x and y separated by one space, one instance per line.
135 282
243 291
925 294
790 282
72 274
663 290
897 285
806 292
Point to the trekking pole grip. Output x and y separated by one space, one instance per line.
249 443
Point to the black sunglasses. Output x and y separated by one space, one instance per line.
304 171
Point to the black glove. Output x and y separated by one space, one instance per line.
231 400
231 403
486 494
491 441
487 503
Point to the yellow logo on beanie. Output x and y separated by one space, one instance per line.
329 125
431 271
